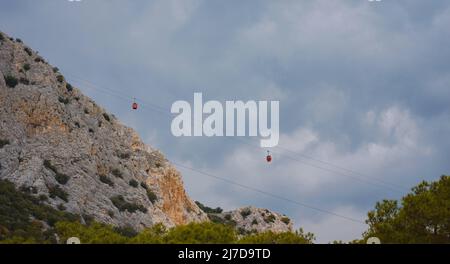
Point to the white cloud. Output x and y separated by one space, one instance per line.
285 31
328 104
397 141
300 139
328 228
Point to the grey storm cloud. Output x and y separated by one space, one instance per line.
362 85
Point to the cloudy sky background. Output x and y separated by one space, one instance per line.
362 86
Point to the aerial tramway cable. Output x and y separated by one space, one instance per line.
269 157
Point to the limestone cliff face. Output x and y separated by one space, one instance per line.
58 144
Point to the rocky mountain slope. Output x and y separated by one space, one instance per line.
60 146
254 220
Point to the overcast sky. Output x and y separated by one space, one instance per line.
364 86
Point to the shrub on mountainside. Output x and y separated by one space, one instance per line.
201 233
11 81
285 220
209 210
61 178
69 87
61 207
422 216
63 100
245 212
4 142
152 197
94 233
126 231
133 183
26 67
269 218
28 51
48 165
106 117
151 235
269 237
60 78
106 180
20 216
121 204
56 191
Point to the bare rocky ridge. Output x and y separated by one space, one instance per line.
255 220
58 142
61 146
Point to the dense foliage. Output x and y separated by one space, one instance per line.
94 233
11 81
123 205
422 217
194 233
24 219
269 237
207 209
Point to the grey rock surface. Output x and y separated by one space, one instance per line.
55 142
256 220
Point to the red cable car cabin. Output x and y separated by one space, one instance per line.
134 106
268 157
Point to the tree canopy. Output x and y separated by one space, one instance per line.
422 216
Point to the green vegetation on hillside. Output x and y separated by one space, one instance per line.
25 219
60 177
56 191
194 233
3 142
69 87
269 237
133 183
245 212
11 81
422 217
123 205
26 67
207 209
152 197
28 51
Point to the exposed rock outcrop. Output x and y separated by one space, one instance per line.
58 143
65 149
254 220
